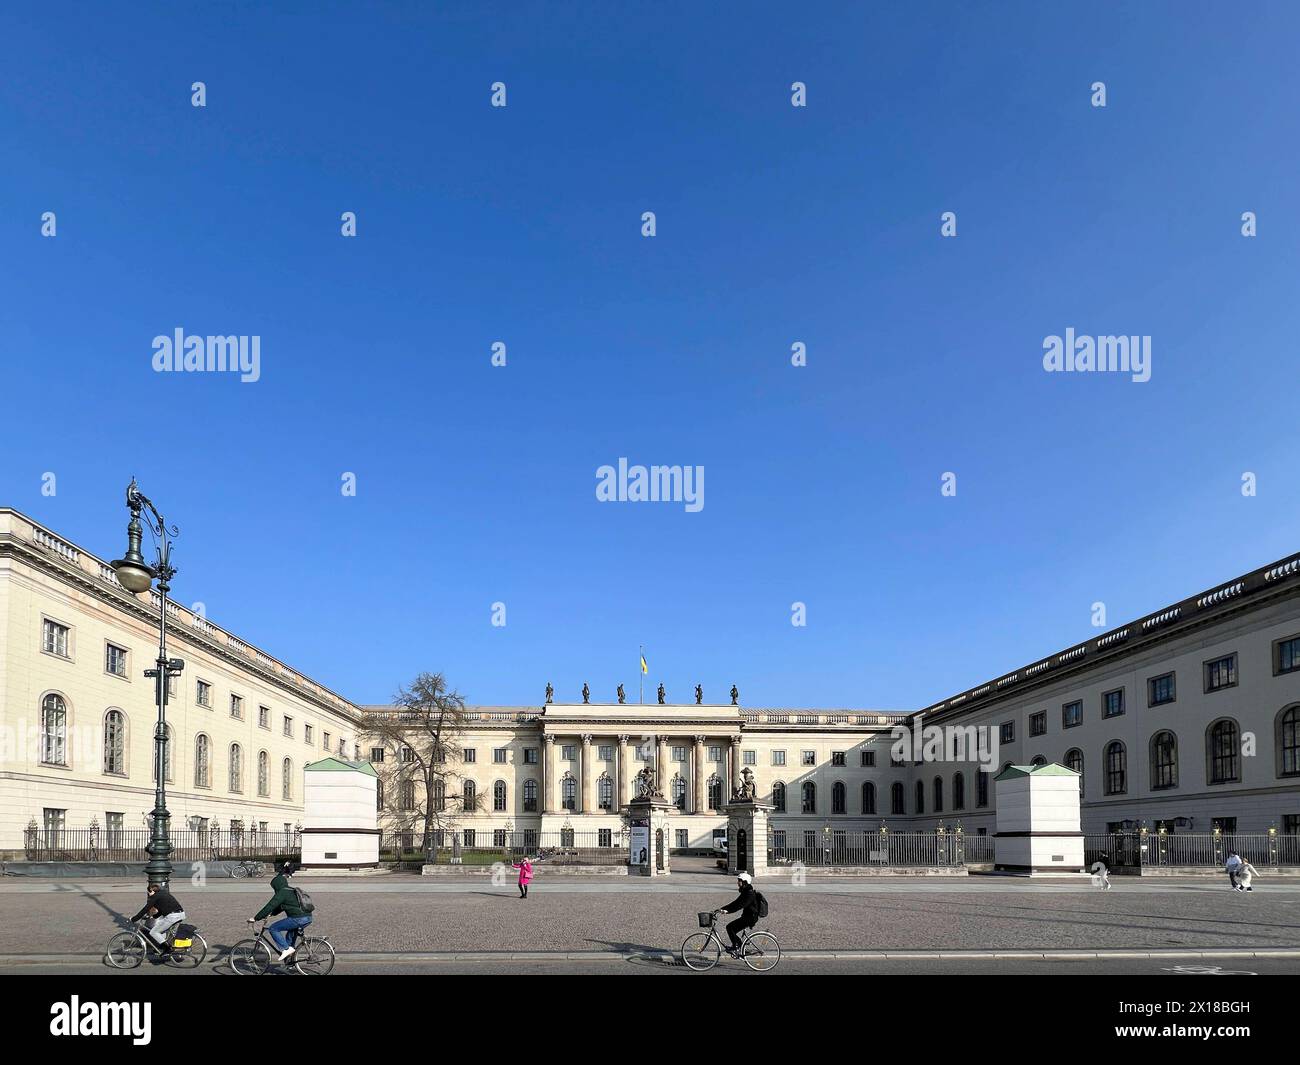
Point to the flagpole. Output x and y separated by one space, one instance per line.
641 675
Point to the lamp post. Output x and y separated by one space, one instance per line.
136 576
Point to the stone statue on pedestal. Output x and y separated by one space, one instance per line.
645 783
747 790
621 697
699 694
661 695
735 695
586 693
550 692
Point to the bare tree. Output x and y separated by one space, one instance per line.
423 730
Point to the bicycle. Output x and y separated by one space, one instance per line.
253 957
701 950
247 867
127 950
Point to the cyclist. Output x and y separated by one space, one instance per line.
750 903
286 901
163 912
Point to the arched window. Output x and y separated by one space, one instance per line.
202 757
1288 742
604 792
1116 768
679 792
839 798
439 795
469 796
236 781
1074 760
897 804
981 788
406 799
1164 760
938 795
568 792
868 798
115 742
54 730
263 773
778 797
920 797
286 782
959 791
530 796
1039 760
715 792
808 793
499 796
1222 751
167 754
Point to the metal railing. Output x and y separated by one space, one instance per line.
1187 850
128 845
899 849
488 847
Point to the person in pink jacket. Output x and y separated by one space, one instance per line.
525 867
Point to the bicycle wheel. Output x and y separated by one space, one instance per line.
190 957
762 951
250 957
239 871
701 951
314 957
125 951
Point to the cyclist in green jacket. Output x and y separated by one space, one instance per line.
285 900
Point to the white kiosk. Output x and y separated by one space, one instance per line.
1038 831
340 816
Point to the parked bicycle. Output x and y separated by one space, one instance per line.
127 950
247 867
252 957
701 950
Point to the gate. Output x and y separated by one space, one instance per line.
742 851
659 849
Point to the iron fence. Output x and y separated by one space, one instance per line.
916 849
488 847
128 845
1187 850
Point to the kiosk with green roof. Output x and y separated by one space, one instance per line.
1038 831
340 816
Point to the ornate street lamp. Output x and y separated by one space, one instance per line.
136 576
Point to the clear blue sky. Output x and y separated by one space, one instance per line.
775 224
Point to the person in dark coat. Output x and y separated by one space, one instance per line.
747 903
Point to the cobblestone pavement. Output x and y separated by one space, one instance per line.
383 914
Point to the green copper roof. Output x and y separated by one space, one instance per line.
333 765
1049 770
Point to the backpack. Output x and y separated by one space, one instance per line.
304 900
762 904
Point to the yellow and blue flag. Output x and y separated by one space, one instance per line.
644 667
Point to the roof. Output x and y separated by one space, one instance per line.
335 765
1051 769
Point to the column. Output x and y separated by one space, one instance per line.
697 777
661 764
584 787
622 797
733 770
548 773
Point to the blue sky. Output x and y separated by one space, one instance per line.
776 224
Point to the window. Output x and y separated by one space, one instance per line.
264 717
868 798
778 757
530 756
981 788
54 730
569 752
236 775
115 660
959 791
715 792
499 796
202 692
499 755
1221 748
749 757
839 798
406 795
469 754
167 755
376 754
679 754
715 754
605 792
325 740
406 754
682 839
1164 761
1116 769
498 837
896 799
837 758
808 797
115 743
1038 723
1074 760
1112 703
1224 824
530 796
116 825
236 706
55 822
604 837
679 792
1291 824
920 797
868 758
605 752
468 836
1221 673
808 758
308 731
1039 760
778 797
54 638
202 754
469 796
1288 742
1007 732
1286 656
568 793
263 773
1072 714
286 781
1160 690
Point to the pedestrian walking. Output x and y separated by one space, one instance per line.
525 867
1232 866
1245 874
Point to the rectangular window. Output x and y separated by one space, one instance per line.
468 837
778 757
376 754
530 756
868 758
54 638
604 837
1007 732
308 731
469 754
203 693
287 726
683 840
837 758
808 758
264 717
569 752
1286 656
325 737
55 822
606 752
679 754
115 823
407 754
1160 690
1291 824
498 837
115 660
715 754
1221 673
1112 703
1072 714
1038 723
499 755
236 706
749 757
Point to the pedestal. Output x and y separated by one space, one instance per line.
648 837
747 836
